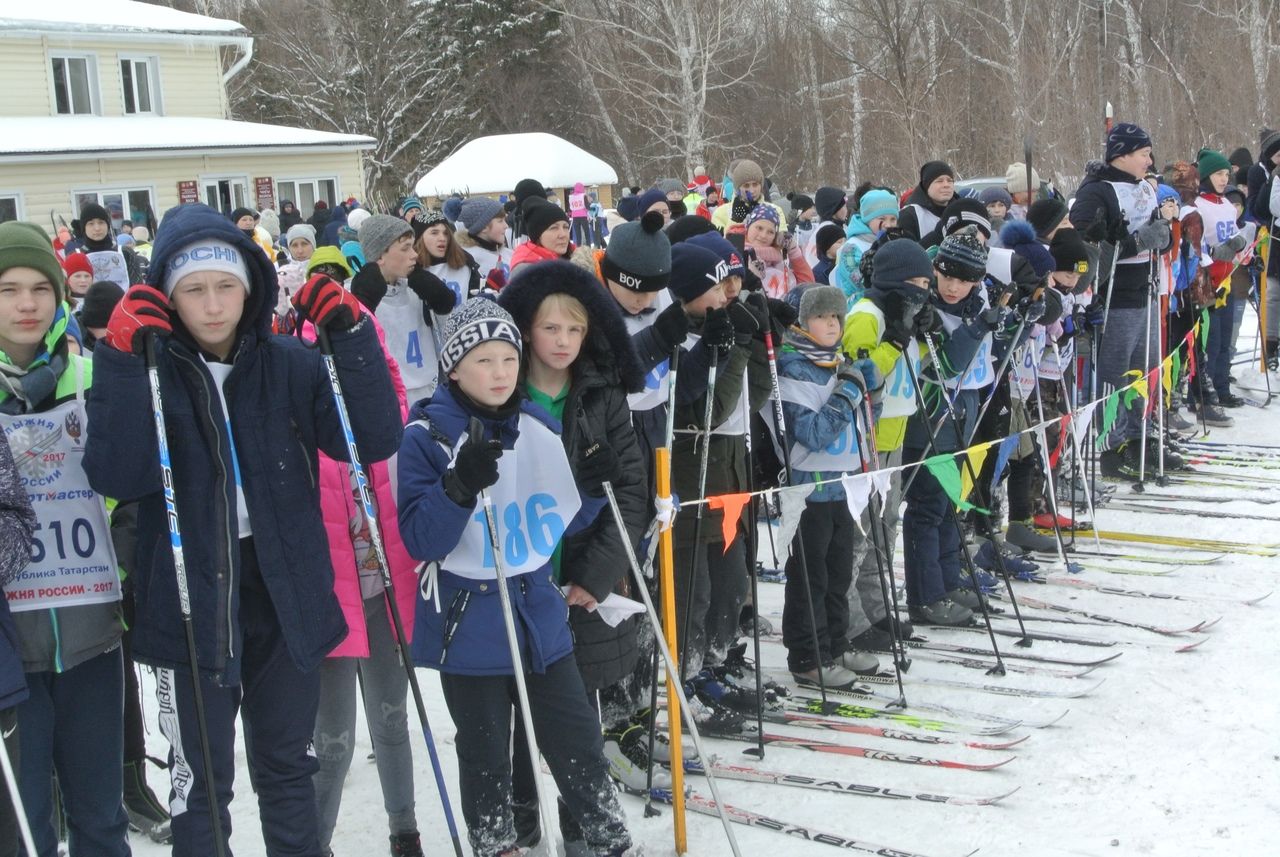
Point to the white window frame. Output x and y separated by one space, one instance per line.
19 202
214 178
124 191
153 80
314 179
91 71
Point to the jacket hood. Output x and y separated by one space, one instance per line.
608 343
450 419
857 226
185 224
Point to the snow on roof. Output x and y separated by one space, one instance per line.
495 164
112 16
104 135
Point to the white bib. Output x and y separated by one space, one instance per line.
657 384
487 260
981 369
457 279
410 340
1025 363
110 265
73 561
534 500
736 423
841 454
899 398
1137 203
1000 264
927 220
1219 225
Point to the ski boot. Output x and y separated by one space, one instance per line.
627 751
146 813
943 612
832 675
407 844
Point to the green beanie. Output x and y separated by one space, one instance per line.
1209 161
25 245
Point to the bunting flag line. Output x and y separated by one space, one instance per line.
977 457
732 504
947 472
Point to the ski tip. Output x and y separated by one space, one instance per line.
1191 646
992 801
1206 625
1000 745
1051 722
989 766
1252 601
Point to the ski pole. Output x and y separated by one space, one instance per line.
1050 481
687 621
20 812
476 435
780 426
753 550
1077 457
388 588
184 595
672 666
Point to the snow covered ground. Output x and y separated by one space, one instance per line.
1174 754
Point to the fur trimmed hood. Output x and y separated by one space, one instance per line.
608 343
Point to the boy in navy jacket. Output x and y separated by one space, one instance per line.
245 412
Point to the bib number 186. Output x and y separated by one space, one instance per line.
537 527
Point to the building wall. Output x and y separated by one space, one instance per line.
190 75
47 188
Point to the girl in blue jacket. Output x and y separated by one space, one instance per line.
477 434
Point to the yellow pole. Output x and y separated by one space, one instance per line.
666 568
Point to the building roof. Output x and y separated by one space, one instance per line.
495 164
112 16
78 137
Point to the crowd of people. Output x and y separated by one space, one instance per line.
505 370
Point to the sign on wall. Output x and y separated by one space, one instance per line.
188 191
264 192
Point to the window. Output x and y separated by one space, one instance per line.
75 83
140 81
303 193
10 206
227 194
132 204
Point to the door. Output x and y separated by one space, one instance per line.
226 195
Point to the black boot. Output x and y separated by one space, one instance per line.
407 844
146 813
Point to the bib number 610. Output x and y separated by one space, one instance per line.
537 527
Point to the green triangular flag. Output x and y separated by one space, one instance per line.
1204 329
947 472
1110 409
1177 366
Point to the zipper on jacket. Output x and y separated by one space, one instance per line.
297 433
222 471
453 619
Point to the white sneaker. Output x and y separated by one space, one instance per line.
862 663
833 675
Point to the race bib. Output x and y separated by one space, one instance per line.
410 340
842 453
110 265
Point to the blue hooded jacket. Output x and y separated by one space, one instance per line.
281 410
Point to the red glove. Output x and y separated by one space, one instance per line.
496 279
143 310
327 304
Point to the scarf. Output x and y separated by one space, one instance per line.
799 340
23 389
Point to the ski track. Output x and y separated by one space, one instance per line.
1175 754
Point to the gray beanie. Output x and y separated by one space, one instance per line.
475 322
669 186
822 300
898 261
639 255
477 212
380 232
301 230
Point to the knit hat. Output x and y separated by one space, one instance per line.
93 211
745 171
695 271
718 244
1167 192
669 186
761 212
628 207
476 321
964 211
452 208
25 245
1015 178
539 215
995 194
380 232
684 228
639 255
827 200
1020 237
142 234
477 212
1270 145
357 218
99 302
527 189
934 170
425 219
1045 214
305 231
124 240
899 260
650 197
1210 161
827 235
1124 138
1069 252
877 203
243 212
408 204
961 255
328 256
77 263
799 203
208 254
822 300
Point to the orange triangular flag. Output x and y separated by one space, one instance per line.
732 505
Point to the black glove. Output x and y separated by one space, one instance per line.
717 330
927 322
739 210
1095 315
432 291
369 286
1031 309
781 316
474 469
749 321
598 464
671 326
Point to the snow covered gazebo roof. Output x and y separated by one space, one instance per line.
496 164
